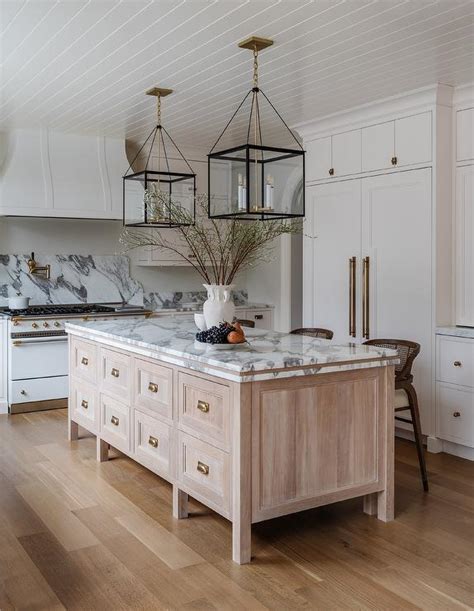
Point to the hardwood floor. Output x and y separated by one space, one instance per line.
77 534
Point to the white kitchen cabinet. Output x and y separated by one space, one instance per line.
3 367
378 146
465 134
465 245
318 159
337 155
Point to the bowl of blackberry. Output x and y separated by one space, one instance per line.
224 336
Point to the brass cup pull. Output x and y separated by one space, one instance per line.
457 364
114 420
394 160
457 414
202 468
331 171
115 372
84 404
153 441
85 360
203 406
152 387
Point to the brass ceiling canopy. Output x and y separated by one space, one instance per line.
159 92
255 43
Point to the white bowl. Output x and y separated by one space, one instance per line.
18 303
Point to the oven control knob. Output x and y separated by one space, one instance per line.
57 324
34 325
45 324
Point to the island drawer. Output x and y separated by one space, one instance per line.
115 423
455 413
83 358
204 409
153 445
153 388
205 470
83 405
455 360
115 373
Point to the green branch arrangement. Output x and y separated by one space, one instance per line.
218 249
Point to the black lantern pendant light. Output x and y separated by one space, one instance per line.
156 196
254 181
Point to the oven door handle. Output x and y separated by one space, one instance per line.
43 340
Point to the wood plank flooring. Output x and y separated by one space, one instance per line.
77 534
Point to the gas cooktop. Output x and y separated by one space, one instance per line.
61 310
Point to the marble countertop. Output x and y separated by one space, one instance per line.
456 331
197 307
269 354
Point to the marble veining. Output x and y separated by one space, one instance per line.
269 354
456 331
175 300
74 279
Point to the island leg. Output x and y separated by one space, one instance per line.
72 430
102 450
242 474
371 503
180 503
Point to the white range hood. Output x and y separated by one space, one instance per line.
51 174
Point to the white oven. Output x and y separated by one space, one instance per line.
38 357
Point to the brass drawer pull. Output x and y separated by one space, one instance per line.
152 387
114 420
153 441
84 404
203 406
457 414
85 360
115 372
457 364
202 468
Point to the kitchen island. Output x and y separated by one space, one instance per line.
284 424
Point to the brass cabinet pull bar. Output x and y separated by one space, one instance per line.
85 360
153 441
152 387
202 468
115 372
352 296
366 298
84 404
203 406
115 421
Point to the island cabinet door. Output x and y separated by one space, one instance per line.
316 441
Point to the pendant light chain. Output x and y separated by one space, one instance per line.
255 67
158 114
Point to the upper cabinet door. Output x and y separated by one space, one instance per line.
413 139
346 153
318 159
378 146
465 245
465 134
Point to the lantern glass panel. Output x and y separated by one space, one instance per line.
228 180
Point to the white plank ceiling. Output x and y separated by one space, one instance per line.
83 66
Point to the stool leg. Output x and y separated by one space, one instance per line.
415 416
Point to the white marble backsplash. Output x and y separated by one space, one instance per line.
167 300
73 279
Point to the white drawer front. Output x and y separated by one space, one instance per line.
263 318
455 360
153 444
455 414
83 405
41 389
115 423
153 388
83 359
115 373
38 358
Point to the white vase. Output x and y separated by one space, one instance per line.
218 306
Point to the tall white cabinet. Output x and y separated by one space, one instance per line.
378 237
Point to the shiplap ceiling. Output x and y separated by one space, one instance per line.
83 66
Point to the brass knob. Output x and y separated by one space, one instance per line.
45 324
115 372
457 364
114 420
202 468
153 441
85 360
57 324
23 392
34 325
331 171
15 323
203 406
394 160
84 404
457 414
152 387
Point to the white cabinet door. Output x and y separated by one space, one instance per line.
378 146
334 228
465 134
318 159
465 245
3 367
346 153
413 139
396 236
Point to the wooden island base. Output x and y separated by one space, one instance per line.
250 451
